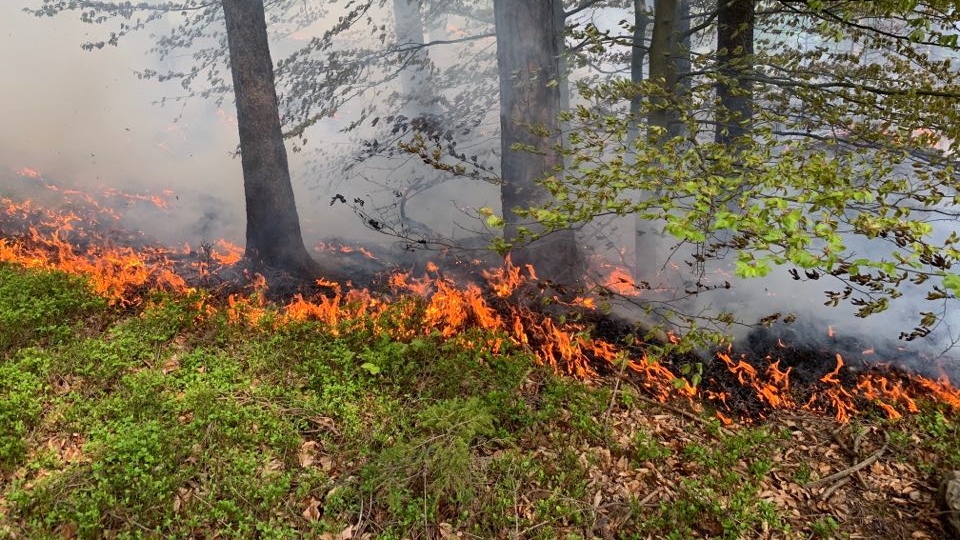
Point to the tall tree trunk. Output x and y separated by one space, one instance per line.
559 32
681 44
638 56
663 124
735 24
642 233
528 59
273 227
663 69
419 103
417 94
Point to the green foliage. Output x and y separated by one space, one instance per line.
22 385
842 172
434 463
722 500
941 435
43 305
647 448
773 203
825 527
554 488
220 432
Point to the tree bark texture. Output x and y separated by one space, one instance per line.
735 24
638 56
528 57
273 227
682 44
663 67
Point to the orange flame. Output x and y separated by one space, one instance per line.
428 305
28 172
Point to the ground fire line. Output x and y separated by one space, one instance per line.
85 237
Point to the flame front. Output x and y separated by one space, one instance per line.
428 305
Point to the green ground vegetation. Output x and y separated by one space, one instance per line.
169 422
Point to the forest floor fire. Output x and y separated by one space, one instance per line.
838 421
83 237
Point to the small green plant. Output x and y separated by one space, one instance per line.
646 448
693 373
42 305
434 462
825 527
803 473
22 385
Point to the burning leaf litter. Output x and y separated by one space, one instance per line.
81 238
641 466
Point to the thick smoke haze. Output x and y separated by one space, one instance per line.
83 119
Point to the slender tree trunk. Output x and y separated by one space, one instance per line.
638 56
681 44
663 68
642 233
417 93
735 24
273 227
419 102
528 61
559 31
663 124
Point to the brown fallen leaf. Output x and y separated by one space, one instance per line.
312 511
308 453
172 364
345 534
446 531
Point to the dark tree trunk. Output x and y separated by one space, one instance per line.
682 44
663 124
528 59
273 227
735 23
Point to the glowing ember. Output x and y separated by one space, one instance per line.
28 172
620 282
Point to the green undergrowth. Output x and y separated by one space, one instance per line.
172 423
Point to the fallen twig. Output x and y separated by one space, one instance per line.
850 470
686 414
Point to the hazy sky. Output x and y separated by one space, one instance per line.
82 117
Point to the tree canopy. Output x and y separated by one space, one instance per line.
841 163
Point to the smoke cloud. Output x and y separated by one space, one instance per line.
84 120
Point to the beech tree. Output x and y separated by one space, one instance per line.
528 58
816 136
273 226
273 235
735 26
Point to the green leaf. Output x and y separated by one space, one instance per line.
370 368
952 283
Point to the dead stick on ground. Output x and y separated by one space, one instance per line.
682 413
850 470
829 491
649 497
